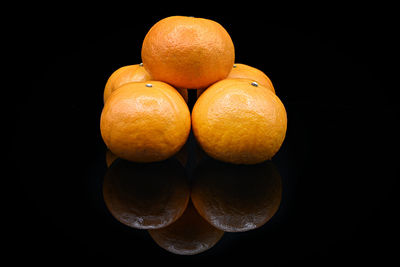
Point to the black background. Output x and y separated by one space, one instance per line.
332 69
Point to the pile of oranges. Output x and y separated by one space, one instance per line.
237 118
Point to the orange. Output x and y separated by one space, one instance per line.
242 71
130 73
145 121
247 72
188 52
239 121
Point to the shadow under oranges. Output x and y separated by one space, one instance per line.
236 198
146 195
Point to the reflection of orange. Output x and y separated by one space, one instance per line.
145 121
188 52
236 198
189 235
123 75
146 195
110 157
239 121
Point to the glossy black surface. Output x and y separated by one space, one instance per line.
338 163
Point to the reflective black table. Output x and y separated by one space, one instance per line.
327 197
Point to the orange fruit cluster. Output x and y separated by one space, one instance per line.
237 118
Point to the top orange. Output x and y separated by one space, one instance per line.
188 52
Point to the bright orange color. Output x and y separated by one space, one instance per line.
243 71
145 121
123 75
239 121
188 52
132 73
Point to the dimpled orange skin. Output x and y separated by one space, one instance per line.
188 52
145 124
244 71
123 75
236 122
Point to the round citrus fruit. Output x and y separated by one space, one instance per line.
188 52
242 71
123 75
239 121
145 121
